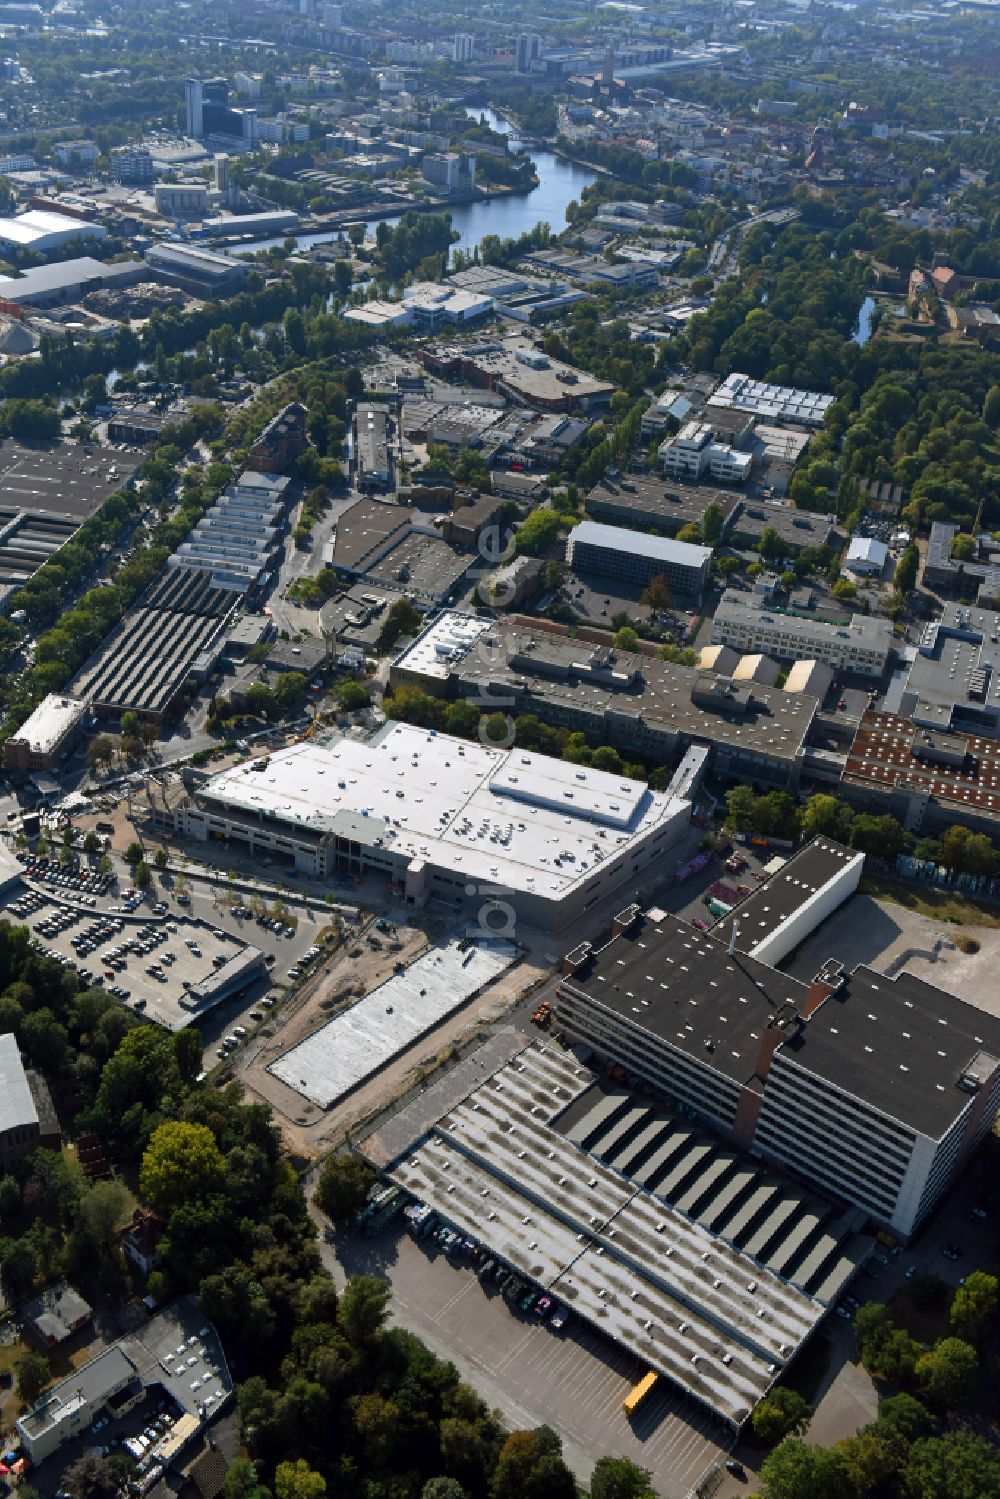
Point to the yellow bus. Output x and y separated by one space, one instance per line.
637 1395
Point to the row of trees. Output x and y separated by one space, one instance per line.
777 814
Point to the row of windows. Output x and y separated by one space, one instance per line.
664 1065
798 1155
801 1080
797 1097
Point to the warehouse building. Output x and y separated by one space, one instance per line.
927 778
650 505
41 230
373 460
773 402
636 557
27 1118
197 270
68 281
146 662
702 1264
521 372
954 679
794 529
980 573
47 735
645 708
445 821
748 623
873 1089
866 557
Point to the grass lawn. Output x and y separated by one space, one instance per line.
926 900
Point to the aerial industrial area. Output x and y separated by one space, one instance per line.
499 751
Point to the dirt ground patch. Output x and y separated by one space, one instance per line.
890 937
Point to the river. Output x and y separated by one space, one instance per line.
559 182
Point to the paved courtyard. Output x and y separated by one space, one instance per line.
575 1381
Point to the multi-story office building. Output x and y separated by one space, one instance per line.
875 1090
749 623
462 47
694 453
635 557
47 735
651 505
527 51
647 709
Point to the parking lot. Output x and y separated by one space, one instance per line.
571 1379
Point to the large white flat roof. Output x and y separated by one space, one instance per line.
620 539
447 640
50 721
354 1045
37 223
532 823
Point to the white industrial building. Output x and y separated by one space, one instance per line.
774 402
445 820
866 557
40 230
47 734
693 453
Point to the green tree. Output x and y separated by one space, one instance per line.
363 1309
782 1413
956 1465
92 1477
974 1305
844 589
626 639
908 1415
296 1480
91 843
129 724
102 1211
824 815
160 858
713 522
344 1184
905 576
966 852
964 548
443 1488
181 1162
947 1373
134 853
656 595
619 1478
795 1471
143 876
740 804
33 1375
